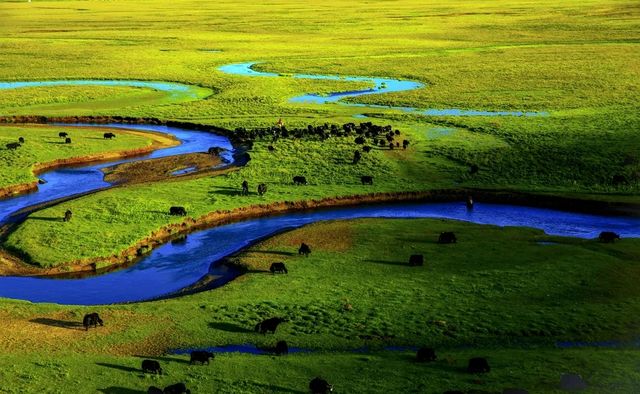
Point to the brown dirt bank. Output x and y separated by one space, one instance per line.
216 218
159 140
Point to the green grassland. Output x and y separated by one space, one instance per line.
42 145
497 293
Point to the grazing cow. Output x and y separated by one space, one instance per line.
320 386
469 202
271 148
21 140
366 149
304 249
262 189
91 319
416 260
151 366
366 180
154 390
13 145
67 140
608 237
177 211
63 134
67 215
245 188
473 169
214 151
108 136
201 356
405 143
447 237
269 325
178 388
426 354
356 157
278 268
299 180
282 348
478 365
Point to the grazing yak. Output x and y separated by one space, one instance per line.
67 215
366 180
13 145
21 140
478 365
154 390
473 169
278 268
67 140
269 325
366 149
91 319
359 140
108 136
447 237
63 134
416 260
201 356
304 249
151 366
608 236
282 348
177 211
262 189
245 188
356 157
178 388
405 143
426 354
318 385
270 148
299 180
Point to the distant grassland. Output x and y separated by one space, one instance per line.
43 145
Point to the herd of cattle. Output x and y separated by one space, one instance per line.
62 134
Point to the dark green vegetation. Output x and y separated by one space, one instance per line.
497 292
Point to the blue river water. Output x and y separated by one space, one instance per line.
380 85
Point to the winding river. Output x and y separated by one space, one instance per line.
173 267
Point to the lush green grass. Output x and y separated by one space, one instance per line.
497 292
42 145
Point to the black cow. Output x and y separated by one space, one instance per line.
245 188
13 145
426 354
299 180
67 140
366 180
214 150
320 386
356 157
278 268
366 149
67 215
91 319
304 249
416 260
21 140
271 148
269 325
151 366
447 237
154 390
178 388
469 202
201 356
478 365
108 136
608 237
282 348
177 211
63 134
405 143
262 189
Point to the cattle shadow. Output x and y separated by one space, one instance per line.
166 359
276 389
120 367
279 253
229 327
400 263
56 142
46 219
71 325
120 390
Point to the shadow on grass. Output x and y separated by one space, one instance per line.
229 327
71 325
46 219
120 367
272 252
276 389
166 359
401 263
120 390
